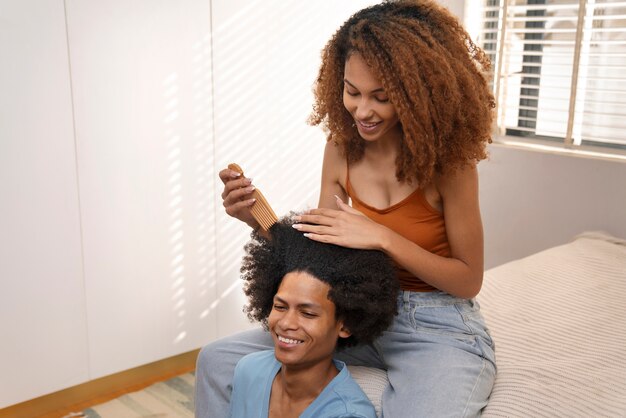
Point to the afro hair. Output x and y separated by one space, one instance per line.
363 283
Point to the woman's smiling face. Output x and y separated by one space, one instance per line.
366 100
303 323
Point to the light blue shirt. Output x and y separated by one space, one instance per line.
252 385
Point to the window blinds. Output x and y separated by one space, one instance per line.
559 69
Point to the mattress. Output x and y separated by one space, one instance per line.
558 319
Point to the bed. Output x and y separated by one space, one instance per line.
558 319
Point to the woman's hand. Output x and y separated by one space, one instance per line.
236 196
346 227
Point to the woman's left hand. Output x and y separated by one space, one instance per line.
346 227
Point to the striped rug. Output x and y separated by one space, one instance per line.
172 398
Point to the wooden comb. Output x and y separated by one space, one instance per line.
261 210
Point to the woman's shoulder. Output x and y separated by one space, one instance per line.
334 152
458 178
334 167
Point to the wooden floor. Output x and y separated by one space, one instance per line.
112 395
78 398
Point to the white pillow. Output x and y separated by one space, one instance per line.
373 382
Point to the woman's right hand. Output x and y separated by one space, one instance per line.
236 196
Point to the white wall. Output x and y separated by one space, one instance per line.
532 200
115 118
266 57
457 7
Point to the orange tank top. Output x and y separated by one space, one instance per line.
414 219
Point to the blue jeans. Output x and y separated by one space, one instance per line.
438 354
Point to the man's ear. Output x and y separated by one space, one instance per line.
344 332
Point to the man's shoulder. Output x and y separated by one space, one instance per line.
352 395
259 357
255 363
344 398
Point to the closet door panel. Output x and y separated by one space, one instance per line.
43 344
142 87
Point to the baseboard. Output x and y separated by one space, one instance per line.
100 390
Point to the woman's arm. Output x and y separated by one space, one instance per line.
333 168
460 275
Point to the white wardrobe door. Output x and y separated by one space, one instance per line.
142 89
43 344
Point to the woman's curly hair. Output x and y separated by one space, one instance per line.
433 74
363 283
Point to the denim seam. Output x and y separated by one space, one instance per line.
469 399
477 332
456 335
412 317
464 318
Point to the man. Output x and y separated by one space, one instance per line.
313 298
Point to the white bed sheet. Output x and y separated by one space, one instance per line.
558 319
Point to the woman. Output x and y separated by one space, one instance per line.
403 96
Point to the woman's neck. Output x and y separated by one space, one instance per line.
387 146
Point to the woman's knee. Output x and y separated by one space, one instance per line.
223 354
207 355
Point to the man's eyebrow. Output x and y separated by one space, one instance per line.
301 305
378 90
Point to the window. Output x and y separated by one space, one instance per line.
559 69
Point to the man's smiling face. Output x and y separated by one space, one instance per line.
303 323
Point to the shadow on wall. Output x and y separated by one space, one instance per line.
266 57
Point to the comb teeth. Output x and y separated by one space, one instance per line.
261 210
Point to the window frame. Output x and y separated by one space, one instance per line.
565 144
